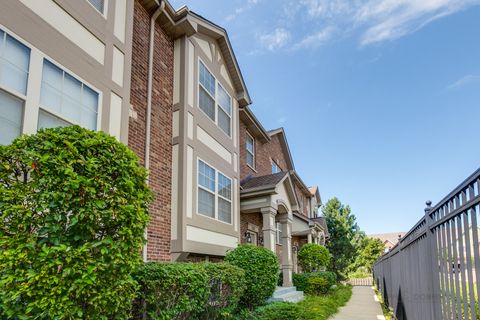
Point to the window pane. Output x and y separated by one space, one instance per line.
250 159
90 99
206 176
51 98
14 61
11 111
98 4
71 109
224 211
47 120
89 119
207 104
249 144
52 75
72 87
224 100
207 79
206 203
224 186
2 36
223 121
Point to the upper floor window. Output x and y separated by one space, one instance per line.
214 193
275 167
250 145
65 100
14 65
214 100
99 5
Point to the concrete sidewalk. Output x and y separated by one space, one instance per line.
363 305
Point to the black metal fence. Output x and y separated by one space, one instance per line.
432 272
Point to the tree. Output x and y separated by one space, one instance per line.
312 257
344 235
370 251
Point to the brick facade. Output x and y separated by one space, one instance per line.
158 247
254 219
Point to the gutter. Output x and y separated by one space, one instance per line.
148 127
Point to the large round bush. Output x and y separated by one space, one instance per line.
73 210
261 269
312 257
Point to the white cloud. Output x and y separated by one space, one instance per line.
466 80
250 4
275 40
316 39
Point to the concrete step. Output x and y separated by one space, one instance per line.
287 294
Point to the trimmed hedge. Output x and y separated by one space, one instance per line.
188 290
227 285
314 282
312 257
280 311
261 269
73 210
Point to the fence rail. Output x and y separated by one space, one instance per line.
432 272
361 282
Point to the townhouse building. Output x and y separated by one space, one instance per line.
64 62
166 83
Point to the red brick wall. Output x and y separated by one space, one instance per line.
264 152
253 218
158 247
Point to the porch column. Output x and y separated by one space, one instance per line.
286 220
268 215
309 237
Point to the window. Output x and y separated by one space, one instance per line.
214 100
214 193
66 99
14 64
275 167
99 5
278 233
250 145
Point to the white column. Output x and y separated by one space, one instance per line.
268 215
287 259
309 237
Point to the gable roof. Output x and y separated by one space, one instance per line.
181 22
253 125
263 182
390 237
284 142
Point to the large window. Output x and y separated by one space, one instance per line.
214 193
65 100
14 64
214 100
250 145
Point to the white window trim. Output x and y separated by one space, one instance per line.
215 99
278 233
105 8
32 104
248 152
215 193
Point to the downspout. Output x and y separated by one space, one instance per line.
149 101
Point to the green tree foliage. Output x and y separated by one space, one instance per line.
344 235
73 210
368 252
261 269
312 257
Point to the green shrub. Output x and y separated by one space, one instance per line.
303 281
73 210
261 269
317 286
171 290
312 257
227 284
280 311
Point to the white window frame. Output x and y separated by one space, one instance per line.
105 8
215 99
248 151
216 194
45 108
34 82
274 163
278 233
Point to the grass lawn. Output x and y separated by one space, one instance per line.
312 308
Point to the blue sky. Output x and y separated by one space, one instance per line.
380 99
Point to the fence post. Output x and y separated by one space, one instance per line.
433 280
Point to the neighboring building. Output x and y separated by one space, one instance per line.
278 210
389 239
64 62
